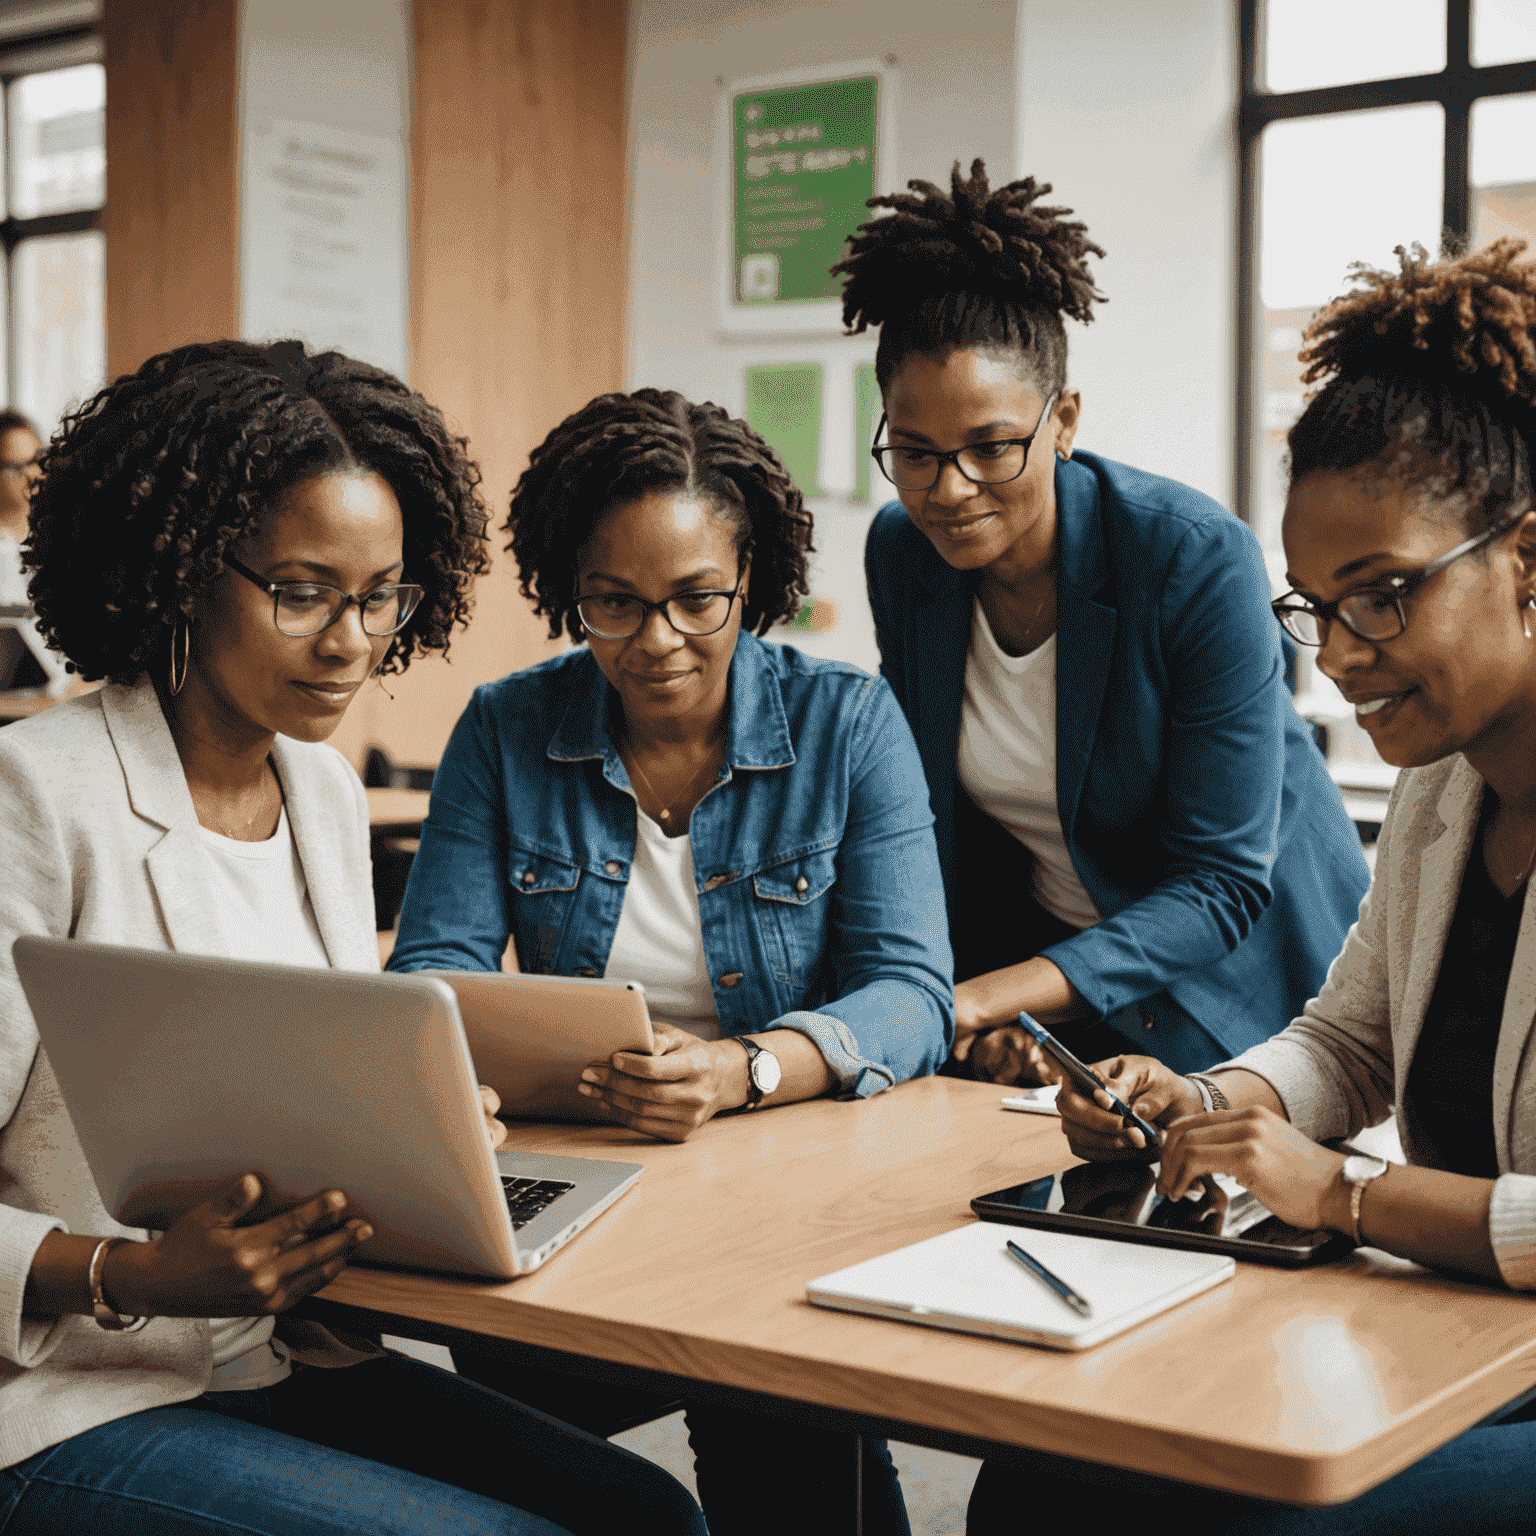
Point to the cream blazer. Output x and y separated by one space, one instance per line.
99 841
1344 1063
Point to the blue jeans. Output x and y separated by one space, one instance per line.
388 1448
1480 1482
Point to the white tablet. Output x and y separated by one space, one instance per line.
530 1036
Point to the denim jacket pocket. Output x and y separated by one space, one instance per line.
792 917
548 888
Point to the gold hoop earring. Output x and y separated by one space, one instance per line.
183 629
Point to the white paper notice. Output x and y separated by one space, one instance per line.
323 246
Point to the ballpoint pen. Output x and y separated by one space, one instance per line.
1055 1282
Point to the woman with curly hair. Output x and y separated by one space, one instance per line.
236 538
1410 538
743 829
1140 841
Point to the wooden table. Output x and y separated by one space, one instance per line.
1308 1386
397 810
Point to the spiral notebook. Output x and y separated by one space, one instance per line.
967 1282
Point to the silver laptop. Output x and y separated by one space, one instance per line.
181 1072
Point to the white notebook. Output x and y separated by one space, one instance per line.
966 1281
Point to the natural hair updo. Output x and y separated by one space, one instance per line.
976 269
618 448
1428 374
149 483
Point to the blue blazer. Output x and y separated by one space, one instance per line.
1196 808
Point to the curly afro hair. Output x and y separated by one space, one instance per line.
978 268
620 447
1429 371
147 485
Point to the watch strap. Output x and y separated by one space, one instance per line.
1357 1192
106 1316
753 1050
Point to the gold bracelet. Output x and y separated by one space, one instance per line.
1218 1098
108 1317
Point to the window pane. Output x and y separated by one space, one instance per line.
1503 31
1504 169
57 137
59 315
1333 191
1311 43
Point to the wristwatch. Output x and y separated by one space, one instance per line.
1359 1169
763 1071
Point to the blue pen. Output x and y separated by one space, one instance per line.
1055 1282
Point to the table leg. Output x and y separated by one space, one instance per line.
858 1485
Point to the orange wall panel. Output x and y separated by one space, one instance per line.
172 212
518 166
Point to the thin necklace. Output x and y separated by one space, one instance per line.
665 814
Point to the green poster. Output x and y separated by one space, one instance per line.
784 404
804 164
866 416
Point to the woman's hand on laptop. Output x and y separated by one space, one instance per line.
490 1102
209 1265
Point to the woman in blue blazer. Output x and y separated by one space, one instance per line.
1141 845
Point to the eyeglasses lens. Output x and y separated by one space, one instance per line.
613 616
1370 615
914 469
305 609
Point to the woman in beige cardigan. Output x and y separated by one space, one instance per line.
1410 538
204 531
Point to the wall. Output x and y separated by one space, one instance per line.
956 99
171 217
1128 108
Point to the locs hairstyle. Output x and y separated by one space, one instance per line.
1428 372
983 269
617 448
148 484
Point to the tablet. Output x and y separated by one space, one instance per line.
1120 1200
530 1036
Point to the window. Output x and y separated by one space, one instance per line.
1363 125
54 180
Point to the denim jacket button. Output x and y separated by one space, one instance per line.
802 884
529 877
1148 1019
612 867
730 978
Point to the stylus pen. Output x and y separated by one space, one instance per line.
1056 1283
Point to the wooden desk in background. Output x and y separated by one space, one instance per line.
397 810
1307 1386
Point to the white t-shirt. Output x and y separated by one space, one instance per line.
1007 760
264 913
660 939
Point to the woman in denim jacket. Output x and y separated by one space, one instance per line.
741 828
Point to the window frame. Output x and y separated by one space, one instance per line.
1455 88
37 54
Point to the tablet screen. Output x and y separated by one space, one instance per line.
1124 1195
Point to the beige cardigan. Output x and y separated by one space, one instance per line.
99 841
1344 1063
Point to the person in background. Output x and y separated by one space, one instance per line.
1141 844
20 448
742 828
1410 540
236 538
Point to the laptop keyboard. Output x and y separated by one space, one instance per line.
527 1197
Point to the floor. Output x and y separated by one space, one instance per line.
935 1483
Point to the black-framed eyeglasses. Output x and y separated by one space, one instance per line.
311 607
993 462
1375 613
620 615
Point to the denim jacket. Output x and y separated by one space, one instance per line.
818 882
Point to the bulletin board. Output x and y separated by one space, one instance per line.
798 155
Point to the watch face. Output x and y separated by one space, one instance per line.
766 1070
